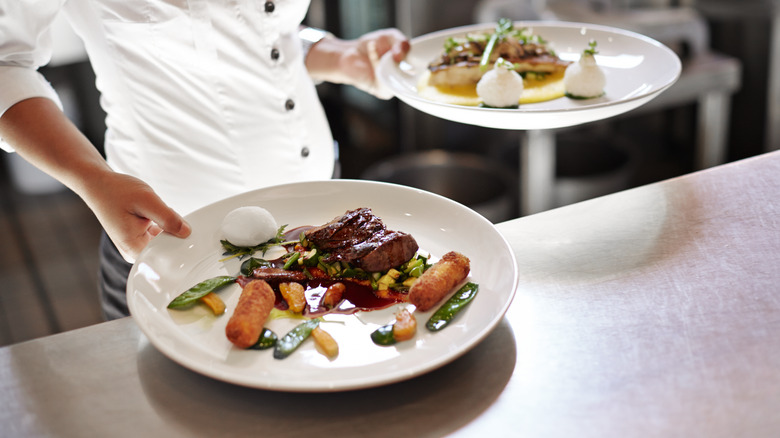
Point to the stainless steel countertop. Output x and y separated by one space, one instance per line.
650 312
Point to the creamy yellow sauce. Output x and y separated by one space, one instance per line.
534 91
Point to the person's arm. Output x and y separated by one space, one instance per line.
128 209
353 62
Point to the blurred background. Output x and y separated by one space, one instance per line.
725 107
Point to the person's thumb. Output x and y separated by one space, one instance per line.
174 224
166 219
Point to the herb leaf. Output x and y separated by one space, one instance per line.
592 48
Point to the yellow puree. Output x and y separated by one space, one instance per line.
549 88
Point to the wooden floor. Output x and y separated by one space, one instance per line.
48 263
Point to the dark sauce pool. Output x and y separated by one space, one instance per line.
357 297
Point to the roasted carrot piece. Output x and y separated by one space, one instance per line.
333 294
327 345
293 294
214 302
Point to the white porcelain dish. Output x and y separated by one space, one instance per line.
196 339
637 69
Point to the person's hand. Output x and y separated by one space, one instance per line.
129 210
132 213
354 62
363 61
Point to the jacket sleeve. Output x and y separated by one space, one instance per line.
25 45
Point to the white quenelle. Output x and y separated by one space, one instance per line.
501 87
248 226
585 79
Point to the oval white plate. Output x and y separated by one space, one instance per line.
637 68
196 339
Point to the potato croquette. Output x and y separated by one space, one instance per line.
435 283
254 305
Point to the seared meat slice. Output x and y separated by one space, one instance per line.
386 250
353 227
359 237
277 274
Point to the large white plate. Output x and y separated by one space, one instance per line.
637 68
196 339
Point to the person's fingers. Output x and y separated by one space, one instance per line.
163 218
392 40
400 49
154 229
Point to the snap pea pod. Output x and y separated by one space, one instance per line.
446 313
200 290
383 335
293 339
267 340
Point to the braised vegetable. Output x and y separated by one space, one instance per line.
294 338
214 302
267 340
457 302
333 295
200 290
402 329
327 345
293 294
405 325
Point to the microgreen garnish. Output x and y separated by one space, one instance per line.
232 251
592 48
503 27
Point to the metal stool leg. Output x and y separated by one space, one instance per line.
537 171
713 119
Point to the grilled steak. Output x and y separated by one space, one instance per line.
359 237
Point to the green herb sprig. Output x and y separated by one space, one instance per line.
503 27
591 50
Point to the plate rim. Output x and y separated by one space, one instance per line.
355 384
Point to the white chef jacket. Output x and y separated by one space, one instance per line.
205 98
